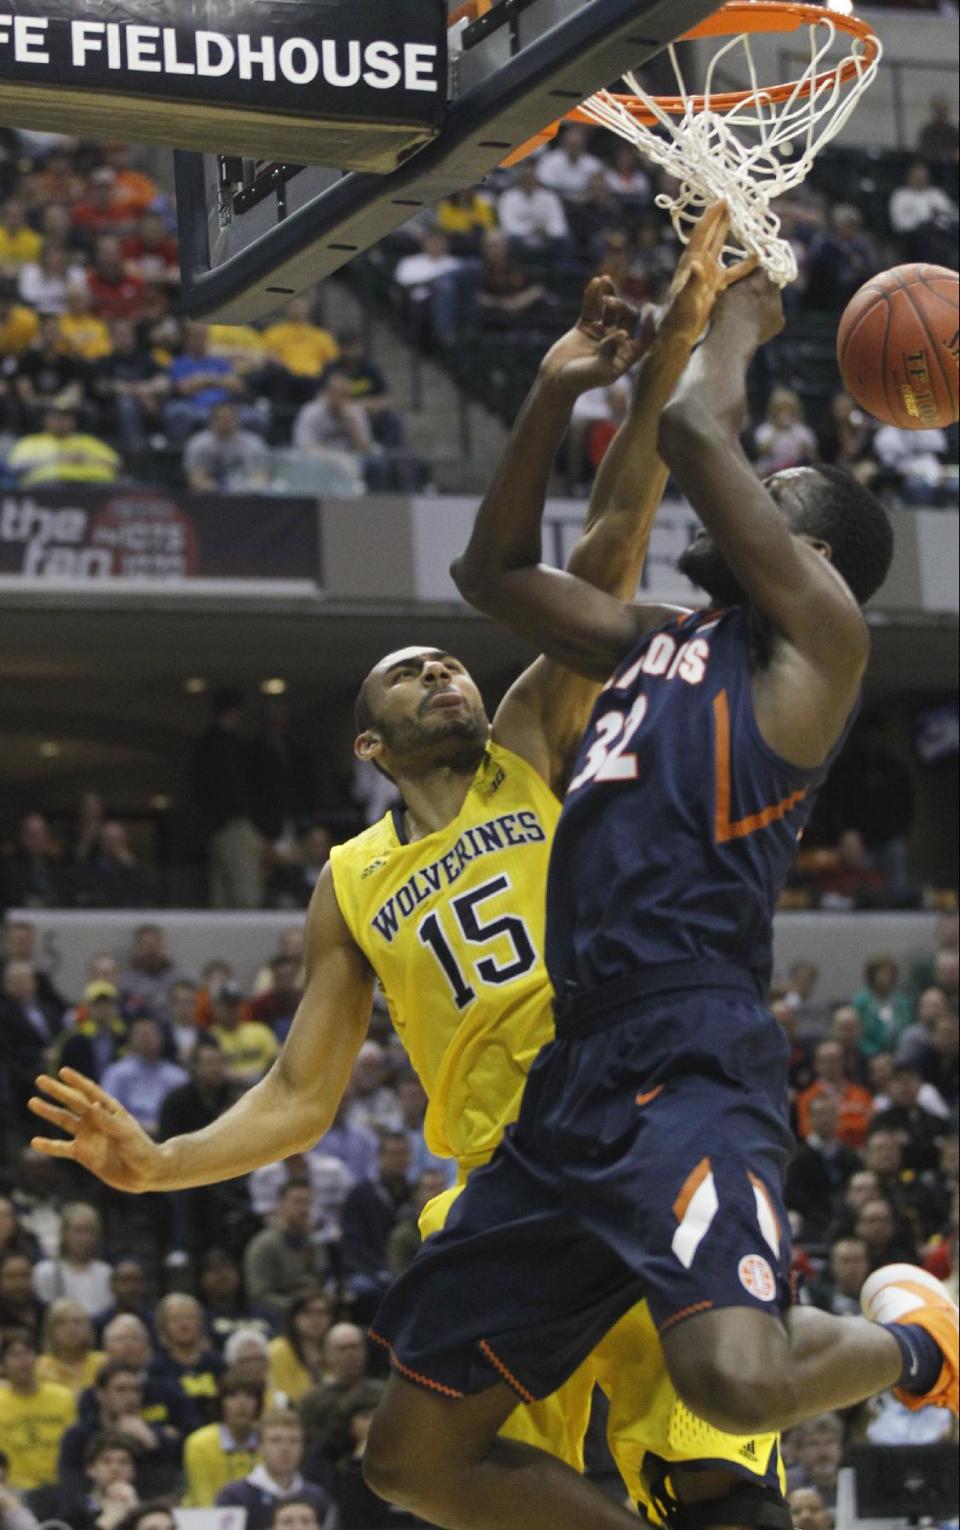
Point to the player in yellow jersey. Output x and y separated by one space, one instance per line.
443 903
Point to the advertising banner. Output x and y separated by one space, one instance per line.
130 533
268 78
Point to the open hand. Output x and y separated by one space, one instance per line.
602 345
701 277
103 1137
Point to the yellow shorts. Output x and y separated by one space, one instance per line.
646 1415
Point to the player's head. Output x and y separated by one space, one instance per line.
417 710
830 510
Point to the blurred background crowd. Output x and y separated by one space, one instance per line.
209 1346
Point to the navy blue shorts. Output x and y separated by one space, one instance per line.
647 1162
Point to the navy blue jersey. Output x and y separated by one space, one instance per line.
680 823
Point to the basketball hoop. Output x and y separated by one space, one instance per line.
748 145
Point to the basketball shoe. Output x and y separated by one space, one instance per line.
903 1293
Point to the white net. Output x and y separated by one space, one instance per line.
750 153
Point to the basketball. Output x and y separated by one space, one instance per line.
897 346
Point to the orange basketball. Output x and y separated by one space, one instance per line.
898 344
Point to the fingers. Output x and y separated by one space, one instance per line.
74 1099
594 293
53 1148
743 268
87 1087
52 1113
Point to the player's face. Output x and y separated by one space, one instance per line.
705 566
427 709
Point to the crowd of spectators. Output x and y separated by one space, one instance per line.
100 382
209 1346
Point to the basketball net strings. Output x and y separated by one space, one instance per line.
710 154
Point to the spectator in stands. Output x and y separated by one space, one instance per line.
101 211
128 1285
438 287
116 291
117 1405
19 939
917 1127
627 178
465 217
14 1514
151 253
14 1237
43 283
69 1356
911 463
33 1415
918 1203
226 1307
28 1030
876 1226
941 1064
819 1171
532 216
296 1355
841 259
58 232
183 1017
405 1240
568 168
77 1272
277 1477
110 1464
847 1269
198 1216
915 1042
277 1006
146 981
506 287
19 325
199 382
185 1359
225 458
808 1510
19 1307
113 877
152 1514
884 1009
330 1183
846 1027
346 1443
335 427
62 453
83 333
133 189
219 1453
819 1450
635 282
130 386
412 1101
783 439
922 214
248 1047
369 1215
854 1103
374 1104
850 881
143 1078
283 1257
19 243
369 389
293 880
939 138
847 439
355 1144
298 351
47 377
344 1366
597 215
97 1037
803 978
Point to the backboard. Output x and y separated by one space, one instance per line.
255 232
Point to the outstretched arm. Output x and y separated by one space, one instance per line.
581 618
284 1113
802 710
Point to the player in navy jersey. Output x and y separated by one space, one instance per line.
649 1154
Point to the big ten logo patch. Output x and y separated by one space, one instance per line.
757 1277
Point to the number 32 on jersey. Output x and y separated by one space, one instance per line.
608 758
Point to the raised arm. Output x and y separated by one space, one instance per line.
788 577
286 1112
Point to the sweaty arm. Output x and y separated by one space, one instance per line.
286 1112
807 693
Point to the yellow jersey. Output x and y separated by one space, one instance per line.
452 925
31 1428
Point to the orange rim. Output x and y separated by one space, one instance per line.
732 20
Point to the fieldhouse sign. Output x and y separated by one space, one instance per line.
356 83
130 533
